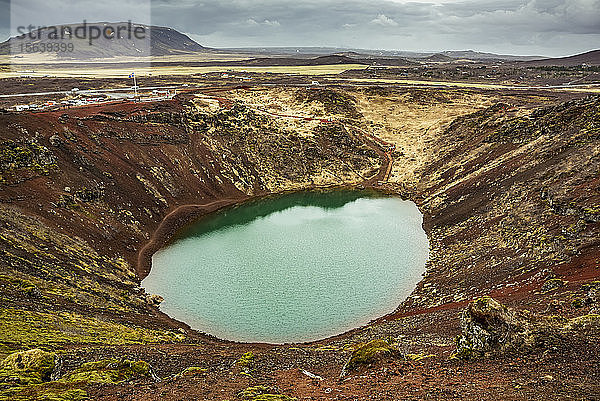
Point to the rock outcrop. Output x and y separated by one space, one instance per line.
489 327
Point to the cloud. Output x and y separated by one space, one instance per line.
544 27
541 27
271 23
384 21
253 22
4 19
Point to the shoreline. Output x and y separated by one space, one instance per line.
173 222
184 215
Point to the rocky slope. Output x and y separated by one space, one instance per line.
518 189
510 200
591 58
82 191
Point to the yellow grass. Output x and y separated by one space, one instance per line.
592 90
105 72
42 59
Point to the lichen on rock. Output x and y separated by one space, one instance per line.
27 367
25 155
369 353
244 363
487 326
262 393
108 371
552 284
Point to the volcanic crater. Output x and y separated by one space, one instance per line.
508 188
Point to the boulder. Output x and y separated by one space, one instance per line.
489 326
109 371
368 354
28 367
154 299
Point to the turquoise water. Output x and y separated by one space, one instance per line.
295 268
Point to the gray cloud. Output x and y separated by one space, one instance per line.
545 27
384 20
4 18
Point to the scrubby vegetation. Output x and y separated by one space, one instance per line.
580 119
108 371
334 102
34 374
241 138
24 155
28 367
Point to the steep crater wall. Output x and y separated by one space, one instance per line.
84 190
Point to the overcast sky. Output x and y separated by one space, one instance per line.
534 27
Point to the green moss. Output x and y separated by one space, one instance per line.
366 354
141 368
262 393
245 363
68 395
59 265
27 367
192 371
593 285
272 397
26 376
586 322
464 349
556 320
19 284
245 360
26 155
108 371
254 391
486 326
26 329
419 357
42 393
485 304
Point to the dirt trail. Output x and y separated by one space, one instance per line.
180 216
172 222
385 146
381 146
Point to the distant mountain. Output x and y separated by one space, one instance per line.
313 51
478 56
107 40
437 58
348 54
589 58
290 61
321 60
119 40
